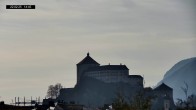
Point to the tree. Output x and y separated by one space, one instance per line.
187 104
189 101
50 92
57 89
119 102
185 89
54 91
141 101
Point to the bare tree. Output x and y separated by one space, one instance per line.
119 102
50 92
57 89
54 90
141 101
188 102
185 89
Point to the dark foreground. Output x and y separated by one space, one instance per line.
12 107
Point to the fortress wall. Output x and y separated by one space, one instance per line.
109 76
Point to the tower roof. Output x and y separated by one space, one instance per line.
88 60
163 86
108 67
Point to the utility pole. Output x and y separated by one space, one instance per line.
18 101
12 102
15 101
38 100
24 100
31 100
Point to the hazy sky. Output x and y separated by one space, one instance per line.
42 47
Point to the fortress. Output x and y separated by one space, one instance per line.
106 73
98 84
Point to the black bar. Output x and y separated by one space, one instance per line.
20 6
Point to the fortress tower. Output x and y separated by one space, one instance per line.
84 65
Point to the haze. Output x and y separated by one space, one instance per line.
42 47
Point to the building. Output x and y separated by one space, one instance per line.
106 73
163 98
97 84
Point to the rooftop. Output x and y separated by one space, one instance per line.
88 60
135 76
109 67
163 86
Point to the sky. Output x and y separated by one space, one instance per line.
41 47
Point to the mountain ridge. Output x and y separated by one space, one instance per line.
182 72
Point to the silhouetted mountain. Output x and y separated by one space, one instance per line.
183 71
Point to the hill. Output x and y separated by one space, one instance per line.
181 73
